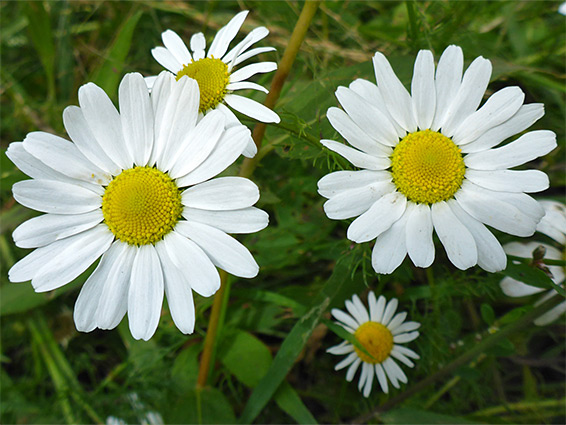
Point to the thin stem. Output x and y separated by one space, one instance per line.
248 166
465 358
522 405
283 69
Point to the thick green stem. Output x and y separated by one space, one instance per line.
248 167
465 358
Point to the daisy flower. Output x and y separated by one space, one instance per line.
380 332
428 162
553 224
214 70
134 187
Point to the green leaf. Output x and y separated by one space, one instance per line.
39 30
487 314
200 406
289 401
245 356
527 273
295 341
415 416
185 368
344 334
109 74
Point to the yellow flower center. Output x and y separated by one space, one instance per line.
376 339
141 205
212 77
427 167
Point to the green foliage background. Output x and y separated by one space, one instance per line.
51 373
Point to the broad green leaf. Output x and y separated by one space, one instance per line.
289 401
185 368
414 416
295 341
487 313
200 406
109 74
530 275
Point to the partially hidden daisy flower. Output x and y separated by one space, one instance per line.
553 224
428 163
380 332
135 187
214 70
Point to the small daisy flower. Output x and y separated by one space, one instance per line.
135 187
553 224
380 332
214 71
429 163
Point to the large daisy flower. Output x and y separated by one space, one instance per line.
135 188
553 224
214 70
429 162
380 332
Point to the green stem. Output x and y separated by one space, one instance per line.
465 358
248 166
523 405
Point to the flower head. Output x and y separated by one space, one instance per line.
214 70
428 163
380 332
135 187
553 224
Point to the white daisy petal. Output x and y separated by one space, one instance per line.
491 256
514 288
82 136
224 251
244 85
226 151
351 203
420 245
396 321
380 217
423 89
501 106
469 95
341 181
198 144
198 44
64 157
369 380
526 116
380 308
113 301
150 81
447 82
394 94
145 295
251 53
380 373
405 337
178 292
391 372
400 375
406 351
389 311
250 70
363 375
30 165
245 220
342 348
48 228
237 51
372 304
166 59
402 358
553 224
104 122
457 240
344 318
347 361
528 181
357 158
193 263
352 369
367 117
405 327
176 46
353 310
390 247
526 148
55 197
222 193
362 311
551 315
68 264
225 35
136 115
251 108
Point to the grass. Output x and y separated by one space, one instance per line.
271 337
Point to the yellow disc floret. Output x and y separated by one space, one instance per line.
141 205
212 77
427 167
376 339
